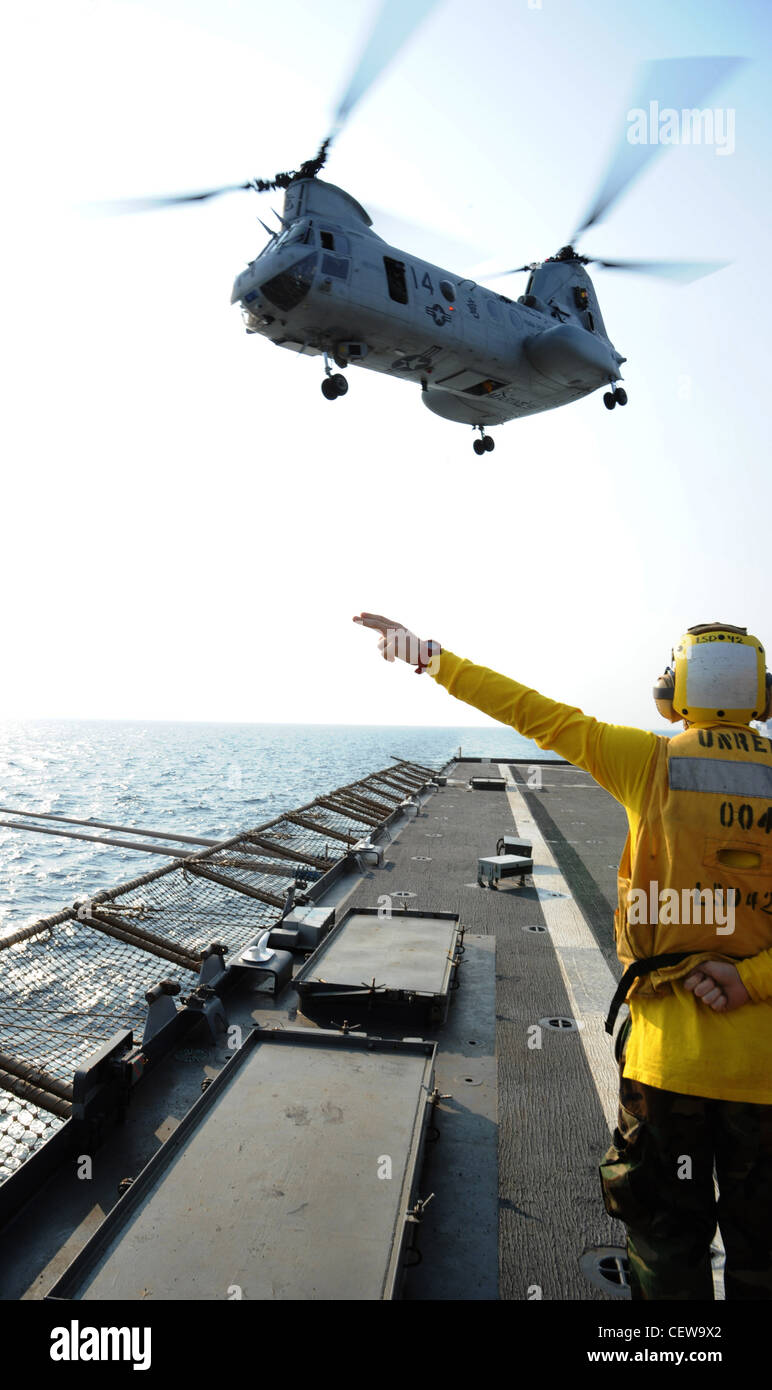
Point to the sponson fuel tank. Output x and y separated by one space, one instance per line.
572 356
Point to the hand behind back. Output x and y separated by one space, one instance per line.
717 983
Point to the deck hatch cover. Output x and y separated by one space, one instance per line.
406 958
271 1181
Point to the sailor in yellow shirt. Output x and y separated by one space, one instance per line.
695 1074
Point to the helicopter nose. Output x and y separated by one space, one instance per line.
240 286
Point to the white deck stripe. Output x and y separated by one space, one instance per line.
589 983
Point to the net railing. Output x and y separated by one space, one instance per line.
69 981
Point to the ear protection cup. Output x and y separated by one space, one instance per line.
663 695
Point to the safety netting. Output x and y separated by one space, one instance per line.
70 981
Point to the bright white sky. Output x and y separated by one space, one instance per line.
188 525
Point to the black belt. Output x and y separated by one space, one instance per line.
640 967
645 967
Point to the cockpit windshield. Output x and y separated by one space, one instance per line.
299 233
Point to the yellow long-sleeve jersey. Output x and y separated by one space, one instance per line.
677 1043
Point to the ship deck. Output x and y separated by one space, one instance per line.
527 1108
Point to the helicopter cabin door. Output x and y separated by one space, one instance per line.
426 320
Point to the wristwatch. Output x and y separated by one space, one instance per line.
433 649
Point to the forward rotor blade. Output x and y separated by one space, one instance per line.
685 271
434 244
123 205
498 274
673 84
395 23
393 27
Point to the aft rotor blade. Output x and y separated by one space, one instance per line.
685 271
673 84
393 27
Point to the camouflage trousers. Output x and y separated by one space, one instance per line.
657 1178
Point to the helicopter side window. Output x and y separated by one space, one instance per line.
334 241
396 279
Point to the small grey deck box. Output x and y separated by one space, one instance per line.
311 923
508 844
498 866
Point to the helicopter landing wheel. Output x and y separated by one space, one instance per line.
609 400
484 444
339 383
329 389
620 395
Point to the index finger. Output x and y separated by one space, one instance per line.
375 620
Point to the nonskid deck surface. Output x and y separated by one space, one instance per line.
514 1174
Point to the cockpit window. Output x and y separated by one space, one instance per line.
289 287
298 233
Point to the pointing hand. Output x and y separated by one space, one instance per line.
398 641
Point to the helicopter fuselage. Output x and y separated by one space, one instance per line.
329 284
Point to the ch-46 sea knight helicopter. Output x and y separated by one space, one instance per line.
326 284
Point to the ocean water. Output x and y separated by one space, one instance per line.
198 779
